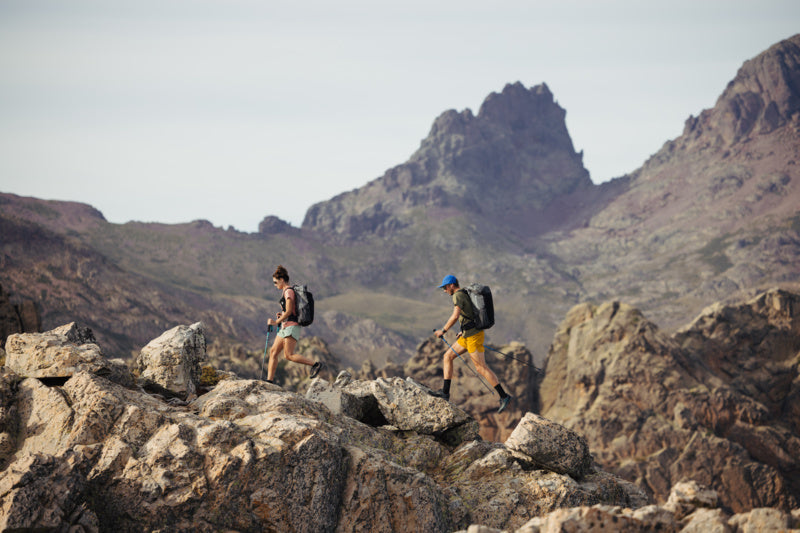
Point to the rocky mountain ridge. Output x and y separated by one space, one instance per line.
713 214
763 97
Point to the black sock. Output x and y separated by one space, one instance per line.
500 391
446 386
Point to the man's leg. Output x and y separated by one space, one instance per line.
483 369
475 343
447 369
449 356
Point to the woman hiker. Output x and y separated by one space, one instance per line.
289 331
470 339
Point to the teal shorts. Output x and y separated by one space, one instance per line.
290 331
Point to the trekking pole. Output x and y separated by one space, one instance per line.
467 365
539 370
269 329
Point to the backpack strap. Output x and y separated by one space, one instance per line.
469 321
292 317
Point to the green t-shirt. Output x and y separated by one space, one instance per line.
461 299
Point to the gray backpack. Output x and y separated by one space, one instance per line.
304 305
482 304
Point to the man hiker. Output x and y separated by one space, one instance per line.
289 333
470 339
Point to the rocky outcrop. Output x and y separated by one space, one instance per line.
551 445
764 95
272 225
402 404
94 455
172 361
511 159
714 403
59 353
690 509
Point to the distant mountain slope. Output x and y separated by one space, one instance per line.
714 212
129 282
69 280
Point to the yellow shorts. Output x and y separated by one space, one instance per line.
472 344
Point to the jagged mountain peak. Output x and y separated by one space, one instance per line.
528 117
516 105
515 156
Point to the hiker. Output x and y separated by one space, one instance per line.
289 331
470 339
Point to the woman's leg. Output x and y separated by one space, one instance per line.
274 352
289 345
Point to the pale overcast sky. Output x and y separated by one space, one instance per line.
231 110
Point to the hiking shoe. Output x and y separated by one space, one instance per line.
316 368
504 403
440 394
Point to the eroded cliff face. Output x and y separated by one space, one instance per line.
764 96
715 402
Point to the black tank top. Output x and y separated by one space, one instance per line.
293 317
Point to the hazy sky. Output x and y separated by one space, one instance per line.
231 110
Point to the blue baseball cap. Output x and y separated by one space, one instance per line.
448 279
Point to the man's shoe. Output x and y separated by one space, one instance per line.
504 403
440 394
316 368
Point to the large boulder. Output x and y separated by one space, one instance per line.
408 406
58 353
171 362
402 404
551 445
686 496
354 400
